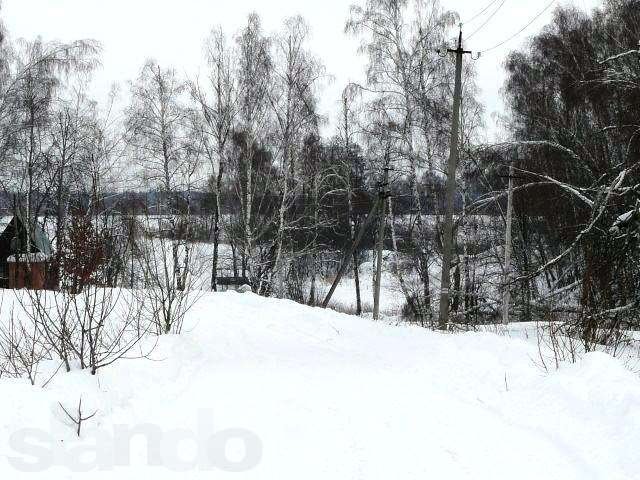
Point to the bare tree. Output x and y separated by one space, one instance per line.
159 126
254 81
38 71
164 305
22 349
348 124
218 103
296 75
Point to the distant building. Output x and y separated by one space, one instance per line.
25 256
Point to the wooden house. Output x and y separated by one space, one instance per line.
25 256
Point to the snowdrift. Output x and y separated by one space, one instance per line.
267 389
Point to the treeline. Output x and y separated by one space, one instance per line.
242 158
243 146
574 98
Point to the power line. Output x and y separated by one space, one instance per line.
522 29
480 12
487 20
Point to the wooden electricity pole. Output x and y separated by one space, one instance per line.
506 294
378 207
447 240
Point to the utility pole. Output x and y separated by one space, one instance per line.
383 194
506 294
349 254
447 242
378 207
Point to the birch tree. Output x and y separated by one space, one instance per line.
218 103
254 74
296 75
158 131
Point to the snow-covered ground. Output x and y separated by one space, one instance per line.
269 389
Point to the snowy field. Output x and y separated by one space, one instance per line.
266 389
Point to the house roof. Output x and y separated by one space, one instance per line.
40 239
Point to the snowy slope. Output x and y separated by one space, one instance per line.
313 394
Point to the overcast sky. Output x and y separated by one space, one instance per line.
172 32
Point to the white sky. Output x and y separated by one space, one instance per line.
172 31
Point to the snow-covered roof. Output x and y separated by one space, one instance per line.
29 258
17 227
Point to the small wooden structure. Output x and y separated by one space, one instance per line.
25 256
